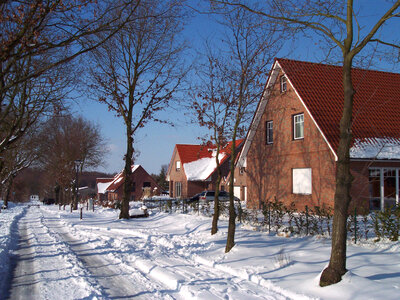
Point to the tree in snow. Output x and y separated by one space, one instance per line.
211 108
247 49
338 24
137 72
65 139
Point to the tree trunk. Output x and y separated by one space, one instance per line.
8 192
214 227
57 193
337 264
230 240
75 207
124 214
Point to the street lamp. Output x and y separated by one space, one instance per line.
77 164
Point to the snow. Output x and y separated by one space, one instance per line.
202 168
173 256
102 186
379 148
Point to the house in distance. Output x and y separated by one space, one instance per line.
290 152
193 168
110 190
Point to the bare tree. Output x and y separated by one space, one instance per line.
139 70
65 140
17 158
211 107
337 23
248 49
38 39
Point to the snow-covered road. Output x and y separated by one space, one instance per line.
95 262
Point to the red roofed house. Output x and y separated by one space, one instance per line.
290 149
111 189
193 168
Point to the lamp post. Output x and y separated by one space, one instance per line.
77 164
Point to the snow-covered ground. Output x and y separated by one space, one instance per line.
173 256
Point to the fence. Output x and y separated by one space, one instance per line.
276 217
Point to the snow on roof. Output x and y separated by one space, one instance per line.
102 186
118 178
379 148
202 168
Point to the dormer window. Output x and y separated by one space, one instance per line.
178 165
283 82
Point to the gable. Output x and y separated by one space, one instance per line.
376 111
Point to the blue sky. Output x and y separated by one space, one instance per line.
156 141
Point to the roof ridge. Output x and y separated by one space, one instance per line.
334 66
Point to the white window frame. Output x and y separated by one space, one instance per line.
382 184
178 165
269 127
298 119
283 83
178 189
302 181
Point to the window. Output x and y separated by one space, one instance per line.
383 188
269 136
178 189
298 126
178 165
302 181
146 184
133 187
283 83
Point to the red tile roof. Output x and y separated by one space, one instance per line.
189 153
376 111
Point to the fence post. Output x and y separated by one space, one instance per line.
307 220
71 207
81 213
355 225
269 217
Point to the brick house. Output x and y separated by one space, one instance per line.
193 168
111 189
290 149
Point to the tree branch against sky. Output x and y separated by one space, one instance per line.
211 109
38 39
138 71
247 49
339 23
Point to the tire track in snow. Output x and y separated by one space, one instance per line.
117 281
190 277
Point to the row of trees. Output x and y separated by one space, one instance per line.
52 148
134 55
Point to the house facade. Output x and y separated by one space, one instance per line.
192 168
110 190
290 150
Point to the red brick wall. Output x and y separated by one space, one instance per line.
269 167
177 176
